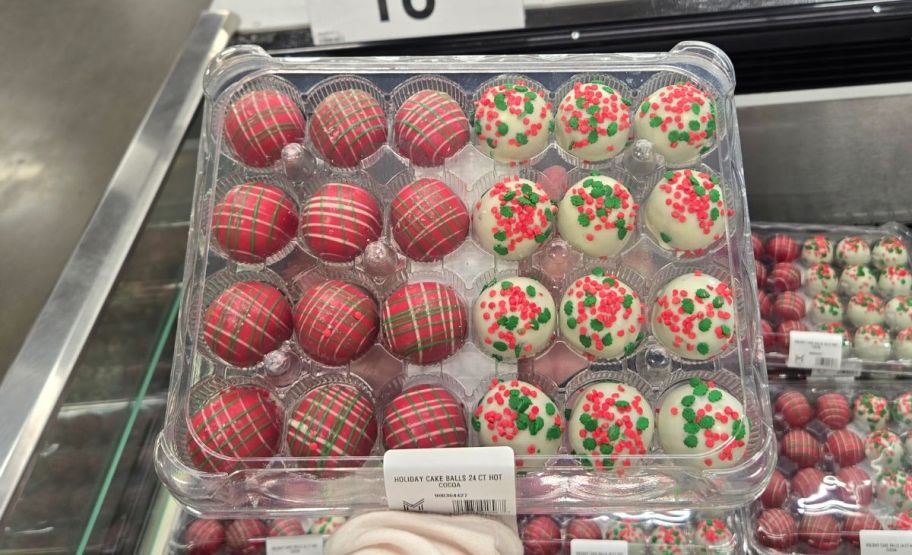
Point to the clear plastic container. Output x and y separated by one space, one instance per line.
347 340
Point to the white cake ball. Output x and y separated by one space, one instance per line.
693 315
884 450
821 278
513 318
611 422
826 308
686 211
894 281
597 216
593 122
679 120
816 250
864 309
872 343
898 313
837 327
889 251
853 251
602 316
903 344
857 278
513 218
512 122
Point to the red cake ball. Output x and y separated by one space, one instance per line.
855 522
783 332
347 127
336 322
423 322
582 529
423 417
782 248
820 531
259 125
330 421
254 221
246 321
794 408
760 270
789 306
204 536
846 447
807 482
854 486
785 276
776 491
339 221
428 220
776 529
246 536
769 338
222 426
541 535
757 246
430 127
286 527
766 304
833 410
802 448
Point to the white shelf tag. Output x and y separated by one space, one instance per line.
294 545
885 542
815 349
598 547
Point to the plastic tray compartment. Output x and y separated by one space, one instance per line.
317 354
840 489
868 285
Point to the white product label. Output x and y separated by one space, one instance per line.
815 349
337 21
885 542
451 481
294 545
598 547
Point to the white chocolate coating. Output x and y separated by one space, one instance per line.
697 325
602 316
512 122
898 313
679 120
817 249
837 327
610 422
894 281
865 308
894 490
903 344
857 278
520 328
593 122
597 216
686 211
821 278
513 218
907 447
872 343
853 251
889 251
826 308
884 450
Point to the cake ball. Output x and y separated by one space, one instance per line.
784 331
757 246
246 321
789 306
667 540
782 248
326 525
593 122
901 409
855 279
513 218
826 308
423 322
541 535
766 304
903 344
332 421
857 521
628 531
686 211
776 491
218 440
204 536
521 416
865 308
784 276
254 221
898 313
347 127
894 281
906 439
697 418
259 125
427 220
889 251
853 251
430 127
808 482
820 531
582 529
833 410
854 486
602 316
246 536
845 447
762 273
282 527
597 216
679 120
871 412
693 316
336 322
339 220
512 121
884 450
769 336
514 318
894 490
794 408
838 328
776 529
802 448
610 422
817 249
423 417
872 342
821 278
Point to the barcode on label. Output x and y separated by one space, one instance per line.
826 362
490 506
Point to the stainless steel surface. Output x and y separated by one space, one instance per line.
838 155
33 384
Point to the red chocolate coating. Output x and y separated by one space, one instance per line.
807 481
347 127
240 423
769 338
854 485
776 528
766 304
776 491
339 221
846 447
286 527
246 536
430 127
423 322
820 531
802 448
783 330
785 276
331 421
757 246
254 221
782 248
541 536
423 417
336 322
794 407
428 220
833 410
761 271
856 522
582 529
246 321
204 536
789 306
260 124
